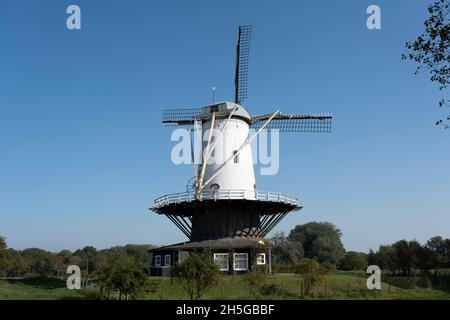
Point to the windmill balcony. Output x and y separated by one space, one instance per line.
267 196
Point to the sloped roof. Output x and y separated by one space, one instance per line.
224 243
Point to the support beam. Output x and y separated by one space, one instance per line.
181 225
186 223
175 222
275 223
270 215
270 226
261 231
263 220
216 139
202 173
247 142
192 131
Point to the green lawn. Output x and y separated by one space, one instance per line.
288 286
37 289
280 286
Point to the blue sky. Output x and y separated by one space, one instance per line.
83 152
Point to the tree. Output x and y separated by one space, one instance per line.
2 243
385 258
285 252
426 259
38 261
75 260
320 240
277 239
125 275
104 280
137 251
197 272
58 264
7 262
311 271
255 280
405 253
431 50
442 248
88 256
65 255
353 261
21 266
140 252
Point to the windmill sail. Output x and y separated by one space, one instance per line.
295 122
180 117
242 56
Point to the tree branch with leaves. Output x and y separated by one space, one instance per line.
431 50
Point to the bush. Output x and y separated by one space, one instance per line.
441 279
197 273
125 275
255 280
270 289
312 273
328 266
353 261
281 268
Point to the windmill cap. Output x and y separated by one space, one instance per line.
223 109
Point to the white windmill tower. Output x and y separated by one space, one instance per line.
224 211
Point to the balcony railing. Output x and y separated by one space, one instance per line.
225 195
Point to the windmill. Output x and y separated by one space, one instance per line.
223 210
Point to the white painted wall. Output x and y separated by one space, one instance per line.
234 176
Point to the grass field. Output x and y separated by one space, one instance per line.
280 286
288 286
37 289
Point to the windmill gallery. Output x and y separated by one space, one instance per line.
222 210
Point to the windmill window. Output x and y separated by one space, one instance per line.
221 259
183 255
261 258
167 260
157 261
215 187
236 158
240 262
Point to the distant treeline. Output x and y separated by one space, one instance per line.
315 240
322 241
37 262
